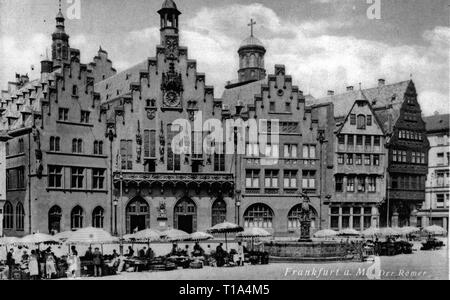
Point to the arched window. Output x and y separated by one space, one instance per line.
8 216
54 219
98 217
258 215
20 217
361 122
294 217
76 218
219 212
77 146
74 90
137 215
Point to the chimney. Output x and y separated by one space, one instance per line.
381 82
330 93
350 88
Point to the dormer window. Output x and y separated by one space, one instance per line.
352 119
361 124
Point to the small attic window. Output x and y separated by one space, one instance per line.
127 76
107 85
394 97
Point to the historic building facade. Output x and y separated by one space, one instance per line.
88 146
360 164
436 207
400 166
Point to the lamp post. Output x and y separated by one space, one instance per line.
321 140
111 135
115 203
238 206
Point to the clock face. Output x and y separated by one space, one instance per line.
172 99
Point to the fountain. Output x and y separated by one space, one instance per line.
305 249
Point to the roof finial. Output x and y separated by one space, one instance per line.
252 23
60 6
360 86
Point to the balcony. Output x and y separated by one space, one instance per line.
224 182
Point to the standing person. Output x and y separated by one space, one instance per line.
98 262
33 265
10 262
220 255
50 265
41 260
77 262
240 254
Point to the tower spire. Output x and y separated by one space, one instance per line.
60 45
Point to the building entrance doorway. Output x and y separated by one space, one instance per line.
185 215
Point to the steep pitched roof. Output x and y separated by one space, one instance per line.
437 123
119 84
245 94
386 101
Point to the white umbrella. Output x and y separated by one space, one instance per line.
38 238
409 229
434 229
200 236
325 233
63 236
225 227
91 236
372 231
349 232
388 231
175 235
253 233
6 241
148 235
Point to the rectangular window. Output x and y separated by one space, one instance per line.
377 142
350 141
272 107
253 150
126 154
271 179
376 160
63 114
372 184
352 119
440 200
252 179
309 180
340 158
219 158
15 178
173 160
350 184
369 120
361 184
290 179
149 143
367 159
359 140
77 178
85 117
368 143
341 142
290 151
309 151
55 176
288 107
349 159
358 159
339 183
98 179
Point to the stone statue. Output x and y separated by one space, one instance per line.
305 220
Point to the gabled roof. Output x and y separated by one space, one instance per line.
119 84
244 94
386 101
437 123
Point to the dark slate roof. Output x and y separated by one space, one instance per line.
119 84
169 4
437 123
245 94
381 98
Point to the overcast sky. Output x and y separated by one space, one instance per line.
325 44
